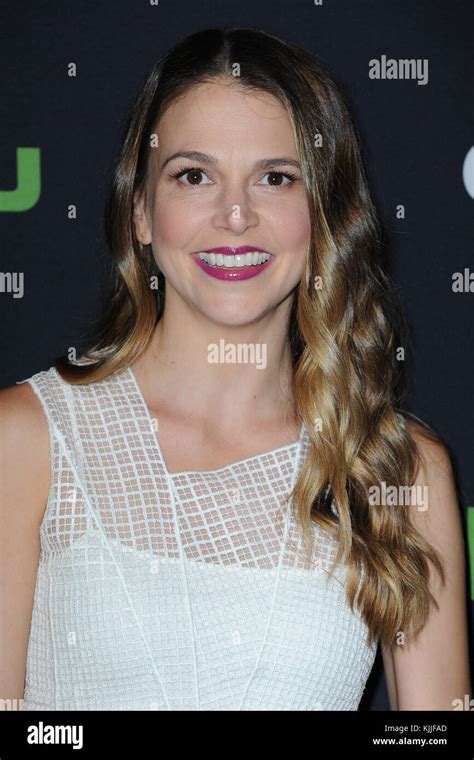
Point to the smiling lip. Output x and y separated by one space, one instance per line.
231 251
231 273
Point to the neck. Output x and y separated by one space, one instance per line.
232 376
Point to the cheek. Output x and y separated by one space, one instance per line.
292 227
173 225
287 224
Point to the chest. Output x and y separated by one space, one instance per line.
187 447
197 634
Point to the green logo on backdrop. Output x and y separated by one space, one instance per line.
28 186
470 540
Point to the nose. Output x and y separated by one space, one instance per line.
234 210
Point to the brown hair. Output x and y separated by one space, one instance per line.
344 335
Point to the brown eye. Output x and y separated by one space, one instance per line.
194 173
276 179
276 175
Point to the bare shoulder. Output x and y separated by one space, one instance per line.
24 451
432 673
432 450
435 474
24 488
19 404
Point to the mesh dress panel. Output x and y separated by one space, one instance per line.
179 591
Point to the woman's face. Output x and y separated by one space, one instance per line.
228 201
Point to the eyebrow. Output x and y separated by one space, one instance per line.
263 163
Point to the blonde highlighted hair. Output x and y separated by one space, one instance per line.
345 326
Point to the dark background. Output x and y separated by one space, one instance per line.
415 139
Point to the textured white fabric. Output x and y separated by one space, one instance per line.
181 591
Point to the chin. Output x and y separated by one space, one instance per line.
230 318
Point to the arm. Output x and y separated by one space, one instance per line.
433 670
24 487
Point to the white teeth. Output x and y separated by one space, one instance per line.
252 258
240 259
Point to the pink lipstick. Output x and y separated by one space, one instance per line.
247 261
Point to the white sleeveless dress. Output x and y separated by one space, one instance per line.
179 591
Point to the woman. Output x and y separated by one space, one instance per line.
248 353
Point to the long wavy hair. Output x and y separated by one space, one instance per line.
345 328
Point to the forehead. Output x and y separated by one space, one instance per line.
223 118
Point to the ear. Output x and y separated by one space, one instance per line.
142 228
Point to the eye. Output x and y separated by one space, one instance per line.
194 171
288 175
